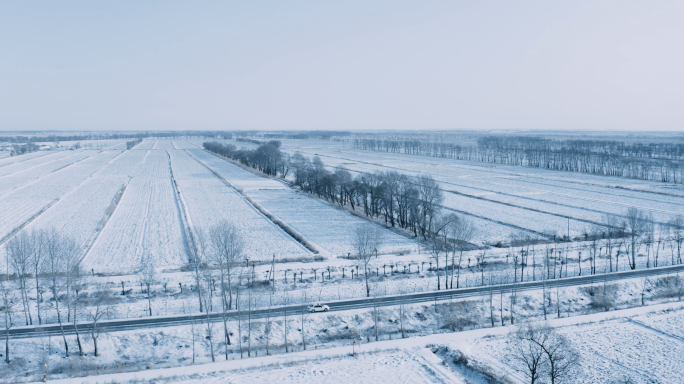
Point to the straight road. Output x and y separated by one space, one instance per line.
340 305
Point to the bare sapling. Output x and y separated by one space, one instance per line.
365 243
9 300
677 230
435 248
97 311
148 277
197 260
637 222
19 251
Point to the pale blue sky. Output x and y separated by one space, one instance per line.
103 65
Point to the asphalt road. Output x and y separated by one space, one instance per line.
341 305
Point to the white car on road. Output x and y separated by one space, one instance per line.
318 308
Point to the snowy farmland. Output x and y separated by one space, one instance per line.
103 199
505 200
329 228
121 206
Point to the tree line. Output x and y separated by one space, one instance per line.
411 203
653 161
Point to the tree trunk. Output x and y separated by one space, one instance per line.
40 320
61 327
7 359
78 337
149 302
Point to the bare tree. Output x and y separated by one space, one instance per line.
677 230
514 300
59 250
460 232
227 245
431 198
97 312
526 354
661 233
481 260
435 249
643 285
560 355
77 286
366 242
648 240
197 260
19 253
8 302
37 264
228 251
148 277
637 222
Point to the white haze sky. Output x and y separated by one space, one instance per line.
152 65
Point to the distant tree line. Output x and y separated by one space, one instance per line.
267 158
38 138
133 143
654 161
20 149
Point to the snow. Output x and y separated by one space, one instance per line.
23 203
146 221
611 345
558 194
208 201
80 210
330 228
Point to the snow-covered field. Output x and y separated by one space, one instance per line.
611 350
146 221
209 200
22 204
331 229
521 198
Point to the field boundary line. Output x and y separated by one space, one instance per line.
55 201
656 330
289 231
38 179
21 161
103 222
41 164
182 210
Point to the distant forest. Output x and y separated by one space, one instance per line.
653 161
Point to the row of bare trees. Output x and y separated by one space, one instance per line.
44 261
413 203
267 157
654 161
